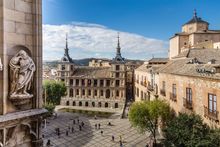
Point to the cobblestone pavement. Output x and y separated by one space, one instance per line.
90 136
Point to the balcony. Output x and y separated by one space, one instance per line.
162 92
187 104
150 88
173 97
212 114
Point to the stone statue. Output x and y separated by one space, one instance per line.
22 69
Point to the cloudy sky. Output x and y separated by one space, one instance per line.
145 26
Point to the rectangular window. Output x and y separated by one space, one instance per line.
71 81
77 91
89 92
108 83
212 103
164 85
83 92
117 74
83 82
174 90
117 67
89 82
63 67
77 82
101 83
101 93
117 83
95 92
189 95
137 92
95 82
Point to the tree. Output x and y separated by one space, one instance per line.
53 91
146 115
188 131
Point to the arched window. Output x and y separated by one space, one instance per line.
106 105
107 93
93 104
67 103
86 104
116 105
71 92
80 103
74 103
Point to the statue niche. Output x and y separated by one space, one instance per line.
22 69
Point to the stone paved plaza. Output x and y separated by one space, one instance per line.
89 136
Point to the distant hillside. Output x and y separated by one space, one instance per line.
81 62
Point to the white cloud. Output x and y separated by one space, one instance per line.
93 40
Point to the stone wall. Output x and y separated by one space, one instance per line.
21 29
201 87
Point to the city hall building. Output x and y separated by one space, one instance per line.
92 86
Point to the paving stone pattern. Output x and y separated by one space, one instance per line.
90 136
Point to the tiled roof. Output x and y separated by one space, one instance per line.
92 72
200 68
158 60
202 55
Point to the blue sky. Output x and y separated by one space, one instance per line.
138 19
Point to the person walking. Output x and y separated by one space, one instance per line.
72 129
120 142
67 133
99 126
74 122
95 126
48 142
101 132
80 128
113 138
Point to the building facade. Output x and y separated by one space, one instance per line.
91 86
20 73
195 34
190 80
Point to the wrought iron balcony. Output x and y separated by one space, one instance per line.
212 114
173 97
187 103
162 92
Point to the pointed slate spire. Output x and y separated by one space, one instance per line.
118 56
194 13
118 47
66 57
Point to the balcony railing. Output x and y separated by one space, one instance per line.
187 103
213 114
150 88
162 92
173 97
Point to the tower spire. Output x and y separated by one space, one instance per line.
66 40
194 13
118 47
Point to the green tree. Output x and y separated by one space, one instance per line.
147 115
53 91
188 131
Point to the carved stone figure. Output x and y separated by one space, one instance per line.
22 69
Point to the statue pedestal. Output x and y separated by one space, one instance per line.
21 99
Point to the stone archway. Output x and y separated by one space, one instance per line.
80 103
116 105
106 105
86 104
100 104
